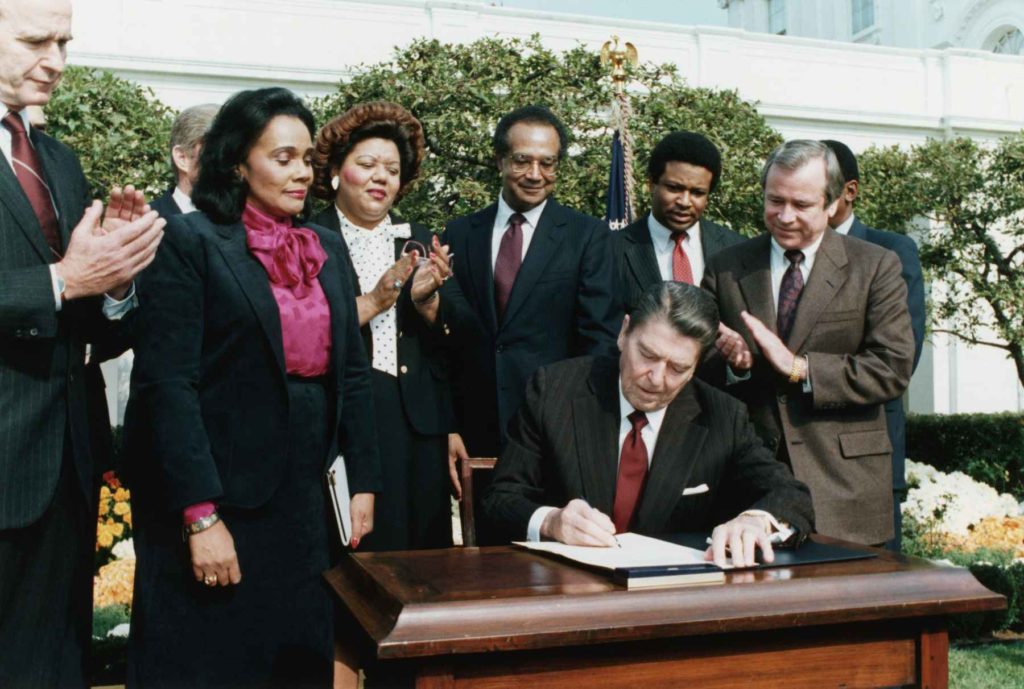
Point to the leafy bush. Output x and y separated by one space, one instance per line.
459 92
119 130
986 447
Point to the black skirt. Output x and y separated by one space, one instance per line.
413 511
275 628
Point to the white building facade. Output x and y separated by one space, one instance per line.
192 51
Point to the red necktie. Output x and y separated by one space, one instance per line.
681 270
510 257
29 172
632 474
789 294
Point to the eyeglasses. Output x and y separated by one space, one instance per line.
520 163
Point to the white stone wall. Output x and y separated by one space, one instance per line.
192 51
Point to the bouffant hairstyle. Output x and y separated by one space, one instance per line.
375 120
220 192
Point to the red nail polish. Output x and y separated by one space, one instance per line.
355 543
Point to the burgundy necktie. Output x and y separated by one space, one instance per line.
632 474
29 172
510 257
681 270
789 293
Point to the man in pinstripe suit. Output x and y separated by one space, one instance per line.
601 446
52 284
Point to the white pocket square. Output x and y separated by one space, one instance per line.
696 490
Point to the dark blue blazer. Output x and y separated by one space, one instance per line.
208 413
165 205
905 248
562 305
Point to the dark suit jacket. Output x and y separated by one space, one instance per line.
166 206
562 305
853 326
423 365
906 249
45 393
637 266
208 413
563 444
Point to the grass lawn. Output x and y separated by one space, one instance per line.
997 665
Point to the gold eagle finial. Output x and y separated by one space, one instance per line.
612 53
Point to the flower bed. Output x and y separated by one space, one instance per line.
954 518
113 582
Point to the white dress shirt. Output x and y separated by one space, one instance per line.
113 309
844 228
501 224
373 252
183 200
664 241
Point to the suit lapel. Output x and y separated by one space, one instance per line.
827 276
640 258
330 281
756 282
710 239
595 418
478 262
252 278
680 442
858 229
543 247
12 196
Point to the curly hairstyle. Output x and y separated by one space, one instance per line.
374 120
220 192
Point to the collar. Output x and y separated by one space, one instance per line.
654 418
385 228
183 200
847 224
23 114
505 212
779 254
663 236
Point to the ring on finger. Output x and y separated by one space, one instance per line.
397 284
210 579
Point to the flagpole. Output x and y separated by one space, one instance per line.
621 198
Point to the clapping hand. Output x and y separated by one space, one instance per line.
389 286
774 349
734 349
432 274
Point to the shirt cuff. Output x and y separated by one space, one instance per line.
533 528
807 381
115 309
194 513
55 281
780 531
733 378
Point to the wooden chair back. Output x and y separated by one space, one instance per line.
475 475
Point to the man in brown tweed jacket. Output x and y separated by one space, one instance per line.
817 336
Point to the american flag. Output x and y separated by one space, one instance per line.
618 212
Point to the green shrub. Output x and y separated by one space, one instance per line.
119 130
987 447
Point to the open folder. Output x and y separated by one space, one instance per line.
639 562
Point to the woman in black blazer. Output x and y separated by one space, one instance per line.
364 160
250 377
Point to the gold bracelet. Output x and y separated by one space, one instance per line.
200 525
797 372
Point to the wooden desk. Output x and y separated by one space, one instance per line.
491 618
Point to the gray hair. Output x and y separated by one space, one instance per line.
690 310
794 154
190 127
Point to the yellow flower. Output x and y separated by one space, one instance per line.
104 537
122 508
127 518
113 583
118 529
104 492
121 495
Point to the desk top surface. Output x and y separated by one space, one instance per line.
467 600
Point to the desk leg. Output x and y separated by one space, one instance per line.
436 676
933 657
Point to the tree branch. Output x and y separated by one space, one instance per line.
971 340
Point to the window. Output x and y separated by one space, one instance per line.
1010 43
777 17
863 16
